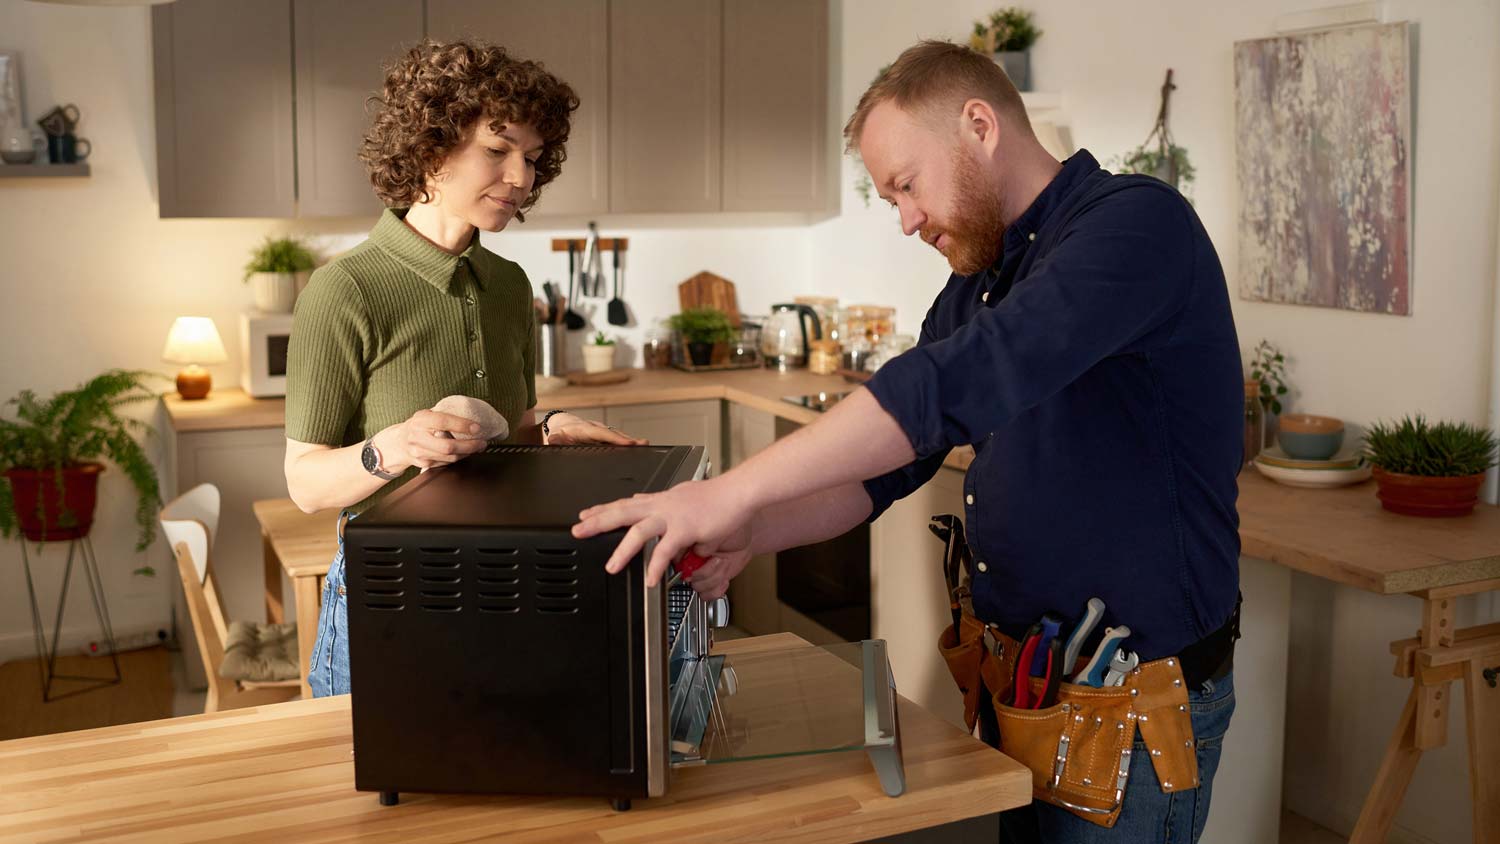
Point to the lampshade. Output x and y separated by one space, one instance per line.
193 340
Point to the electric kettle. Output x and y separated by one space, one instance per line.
783 338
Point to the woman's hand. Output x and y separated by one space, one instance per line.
567 429
426 440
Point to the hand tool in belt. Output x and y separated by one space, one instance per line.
1092 674
950 530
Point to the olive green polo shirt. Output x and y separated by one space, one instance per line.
396 324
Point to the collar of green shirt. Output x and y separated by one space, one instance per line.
416 253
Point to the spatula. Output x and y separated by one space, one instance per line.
617 312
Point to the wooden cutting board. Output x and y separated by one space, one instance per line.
598 379
706 290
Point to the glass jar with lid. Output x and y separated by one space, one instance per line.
871 322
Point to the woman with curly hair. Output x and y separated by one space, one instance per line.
464 138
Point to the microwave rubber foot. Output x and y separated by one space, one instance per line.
620 804
390 798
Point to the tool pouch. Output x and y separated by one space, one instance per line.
1079 749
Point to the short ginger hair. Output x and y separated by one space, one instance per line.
934 79
436 93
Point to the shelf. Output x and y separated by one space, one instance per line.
43 171
1037 101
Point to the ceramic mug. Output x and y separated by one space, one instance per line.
64 149
1306 437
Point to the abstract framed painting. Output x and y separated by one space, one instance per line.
1323 126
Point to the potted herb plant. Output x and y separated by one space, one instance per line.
1429 470
49 456
1268 375
599 353
1008 35
277 272
700 329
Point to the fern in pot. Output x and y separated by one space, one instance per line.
49 455
1429 470
277 272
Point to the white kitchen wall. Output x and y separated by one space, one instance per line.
92 279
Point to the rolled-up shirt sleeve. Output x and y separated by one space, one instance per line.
899 483
1120 272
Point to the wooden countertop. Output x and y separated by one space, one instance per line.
285 772
1345 536
1341 534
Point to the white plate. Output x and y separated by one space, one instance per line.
1278 457
1314 478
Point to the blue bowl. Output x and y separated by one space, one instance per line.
1306 437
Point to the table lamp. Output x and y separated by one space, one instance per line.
194 341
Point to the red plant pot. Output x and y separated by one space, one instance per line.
1414 495
79 493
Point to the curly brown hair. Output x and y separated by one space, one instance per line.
438 92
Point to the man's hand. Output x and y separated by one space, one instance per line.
712 579
703 515
567 429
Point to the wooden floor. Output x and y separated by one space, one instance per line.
145 693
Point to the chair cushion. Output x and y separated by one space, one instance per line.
260 653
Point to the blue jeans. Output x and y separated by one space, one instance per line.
1148 815
328 673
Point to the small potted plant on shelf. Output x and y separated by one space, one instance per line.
599 353
700 329
1268 375
1008 35
49 452
277 272
1429 470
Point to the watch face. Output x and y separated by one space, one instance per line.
370 458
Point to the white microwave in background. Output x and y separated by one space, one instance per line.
263 344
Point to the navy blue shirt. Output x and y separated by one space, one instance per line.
1095 370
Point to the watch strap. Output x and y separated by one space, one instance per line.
373 467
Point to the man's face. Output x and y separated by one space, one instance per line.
486 178
936 183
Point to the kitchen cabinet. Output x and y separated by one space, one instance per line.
223 79
240 134
777 148
571 39
665 105
752 595
339 64
686 106
675 423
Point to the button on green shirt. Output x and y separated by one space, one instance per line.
396 324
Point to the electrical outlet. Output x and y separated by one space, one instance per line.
126 642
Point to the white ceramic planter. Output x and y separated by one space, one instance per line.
275 293
598 358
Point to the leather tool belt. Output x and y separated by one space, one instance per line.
1079 749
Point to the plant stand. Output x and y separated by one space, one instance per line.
46 658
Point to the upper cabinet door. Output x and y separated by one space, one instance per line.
776 144
224 108
340 61
665 105
570 38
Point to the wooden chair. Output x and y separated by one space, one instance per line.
189 522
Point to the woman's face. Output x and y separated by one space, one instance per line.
489 175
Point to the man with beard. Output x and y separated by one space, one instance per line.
1084 347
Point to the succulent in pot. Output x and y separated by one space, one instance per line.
277 271
1429 469
599 353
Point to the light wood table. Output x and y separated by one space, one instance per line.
285 772
1345 536
302 545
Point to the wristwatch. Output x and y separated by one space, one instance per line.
370 457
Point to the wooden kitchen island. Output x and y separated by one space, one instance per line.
285 772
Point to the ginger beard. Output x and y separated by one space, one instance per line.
977 227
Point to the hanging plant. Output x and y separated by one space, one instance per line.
1159 156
